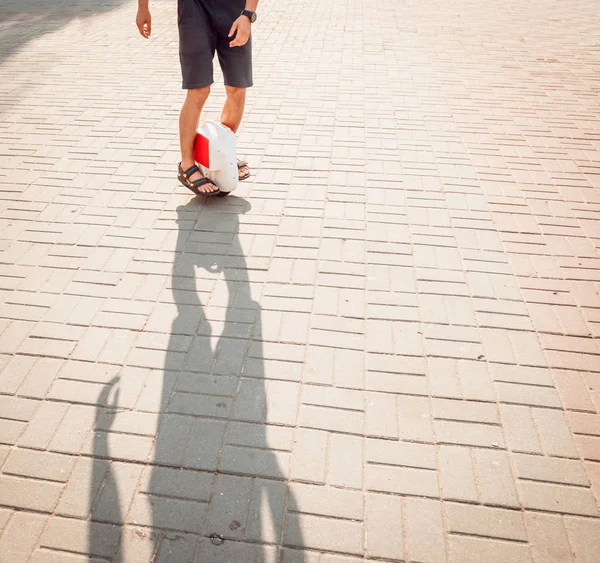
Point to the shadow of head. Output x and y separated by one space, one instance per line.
208 232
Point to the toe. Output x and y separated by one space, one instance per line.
209 188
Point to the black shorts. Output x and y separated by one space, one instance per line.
204 27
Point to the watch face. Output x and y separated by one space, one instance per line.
253 18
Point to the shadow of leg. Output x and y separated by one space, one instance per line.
105 530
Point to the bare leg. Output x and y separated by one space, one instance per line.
232 114
188 126
233 110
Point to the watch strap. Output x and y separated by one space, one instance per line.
250 15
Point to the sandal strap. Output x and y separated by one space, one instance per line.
190 171
242 163
201 182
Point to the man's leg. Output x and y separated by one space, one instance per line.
188 126
232 114
233 110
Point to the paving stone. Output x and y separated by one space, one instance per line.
250 461
494 478
230 503
116 496
381 415
330 534
121 446
168 513
457 476
550 469
83 487
14 372
406 454
383 526
40 465
40 377
345 461
266 510
235 551
16 408
554 433
520 429
327 501
467 549
466 411
51 556
73 429
593 473
557 498
332 419
402 480
485 522
31 494
548 537
79 536
469 434
21 536
137 544
583 537
177 483
10 431
5 515
415 423
425 536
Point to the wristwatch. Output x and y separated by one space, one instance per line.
250 15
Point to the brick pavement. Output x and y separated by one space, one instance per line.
384 347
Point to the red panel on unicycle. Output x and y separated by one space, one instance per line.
201 151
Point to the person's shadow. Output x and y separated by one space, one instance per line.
214 471
216 487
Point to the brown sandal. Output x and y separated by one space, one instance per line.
241 164
184 177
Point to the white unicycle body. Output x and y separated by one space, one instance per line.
215 154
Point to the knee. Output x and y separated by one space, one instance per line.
236 94
198 96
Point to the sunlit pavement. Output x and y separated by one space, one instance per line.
383 346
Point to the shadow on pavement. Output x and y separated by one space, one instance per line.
109 510
217 488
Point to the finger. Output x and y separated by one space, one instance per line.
239 41
233 29
149 26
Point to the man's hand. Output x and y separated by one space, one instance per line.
241 30
144 22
